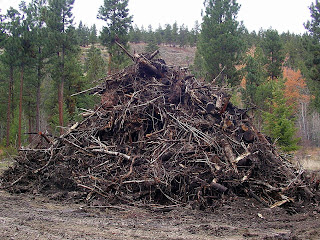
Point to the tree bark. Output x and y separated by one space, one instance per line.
9 106
60 91
38 94
109 63
20 105
30 126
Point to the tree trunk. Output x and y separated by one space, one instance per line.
109 63
20 105
60 92
38 108
30 125
38 94
9 106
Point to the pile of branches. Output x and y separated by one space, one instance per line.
160 136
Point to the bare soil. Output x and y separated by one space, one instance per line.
37 217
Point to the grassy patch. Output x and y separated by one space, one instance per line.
309 158
6 158
4 165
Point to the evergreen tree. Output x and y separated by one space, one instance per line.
10 58
313 46
159 34
62 42
3 87
135 34
151 41
144 34
3 99
168 34
24 55
294 50
151 44
116 15
83 34
183 36
175 33
273 49
75 82
95 65
255 77
93 37
279 123
36 13
220 43
194 34
2 30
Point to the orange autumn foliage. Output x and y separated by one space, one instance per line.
295 87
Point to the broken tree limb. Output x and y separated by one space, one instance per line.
159 136
112 153
229 154
252 194
153 54
219 187
141 60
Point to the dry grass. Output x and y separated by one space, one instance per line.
309 158
173 55
5 160
4 164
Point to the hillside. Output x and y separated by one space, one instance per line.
173 55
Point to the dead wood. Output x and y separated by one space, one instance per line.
160 136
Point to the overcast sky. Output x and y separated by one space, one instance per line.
283 15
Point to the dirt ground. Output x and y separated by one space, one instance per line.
37 217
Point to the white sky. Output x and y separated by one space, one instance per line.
283 15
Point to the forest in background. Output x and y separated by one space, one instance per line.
275 76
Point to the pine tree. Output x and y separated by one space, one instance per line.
83 34
62 41
116 15
36 12
183 36
220 43
95 64
174 33
194 34
313 46
2 30
93 38
279 123
159 35
168 34
151 44
135 34
10 57
255 77
3 99
273 49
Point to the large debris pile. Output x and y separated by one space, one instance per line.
160 136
